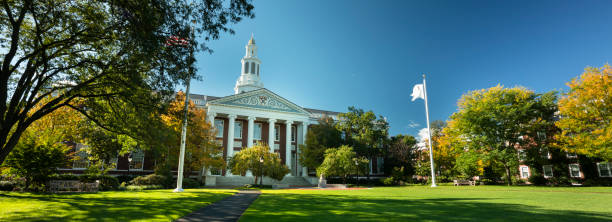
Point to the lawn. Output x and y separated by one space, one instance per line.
148 205
445 203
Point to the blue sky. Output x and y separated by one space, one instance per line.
334 54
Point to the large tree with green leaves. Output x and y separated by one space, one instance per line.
342 162
95 56
495 122
586 114
318 139
260 161
364 131
400 156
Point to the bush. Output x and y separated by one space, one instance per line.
598 182
537 180
8 185
151 179
190 183
125 178
143 187
517 181
486 181
389 181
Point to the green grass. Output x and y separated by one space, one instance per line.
444 203
148 205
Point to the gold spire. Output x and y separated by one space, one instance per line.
252 40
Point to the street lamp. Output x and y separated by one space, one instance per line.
261 160
357 167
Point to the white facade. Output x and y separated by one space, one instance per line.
256 114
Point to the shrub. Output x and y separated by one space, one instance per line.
537 180
151 179
389 181
125 178
7 185
143 187
598 182
190 183
164 170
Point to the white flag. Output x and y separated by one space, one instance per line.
417 92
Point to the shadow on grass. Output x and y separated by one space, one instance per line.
312 207
104 207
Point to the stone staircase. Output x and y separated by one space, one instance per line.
226 181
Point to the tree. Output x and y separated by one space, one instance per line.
400 157
586 114
364 131
494 121
341 162
99 54
35 158
249 159
469 164
201 148
318 139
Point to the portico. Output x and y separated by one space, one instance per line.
254 114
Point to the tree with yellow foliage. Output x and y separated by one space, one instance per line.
586 113
201 148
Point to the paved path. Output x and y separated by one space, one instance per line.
228 209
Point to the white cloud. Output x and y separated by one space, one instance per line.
422 137
412 124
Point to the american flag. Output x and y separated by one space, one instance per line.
176 41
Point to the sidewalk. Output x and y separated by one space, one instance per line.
228 209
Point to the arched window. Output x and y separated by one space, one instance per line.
257 69
253 67
246 67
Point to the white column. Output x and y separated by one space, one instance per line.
230 135
303 141
271 134
288 145
230 139
250 131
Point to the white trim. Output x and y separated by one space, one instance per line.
544 171
570 169
255 131
608 166
521 171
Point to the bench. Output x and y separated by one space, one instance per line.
73 186
464 182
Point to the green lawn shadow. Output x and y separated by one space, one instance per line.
100 207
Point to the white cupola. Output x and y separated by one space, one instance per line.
249 79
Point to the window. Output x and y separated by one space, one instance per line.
541 136
276 133
257 131
571 155
238 144
522 155
113 161
219 127
524 172
604 169
257 69
246 67
137 160
276 147
574 170
82 160
253 67
547 171
238 130
293 133
545 154
292 147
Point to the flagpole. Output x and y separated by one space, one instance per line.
433 174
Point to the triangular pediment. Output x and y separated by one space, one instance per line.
262 99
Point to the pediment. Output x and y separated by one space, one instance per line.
262 99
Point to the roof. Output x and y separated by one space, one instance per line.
207 98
